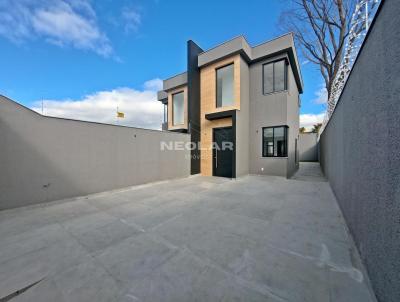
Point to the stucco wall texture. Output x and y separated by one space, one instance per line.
44 159
360 152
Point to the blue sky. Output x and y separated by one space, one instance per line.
84 57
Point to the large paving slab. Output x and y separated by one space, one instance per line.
257 238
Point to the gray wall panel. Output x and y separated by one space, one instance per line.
175 81
225 49
293 121
44 159
275 109
242 122
308 147
360 153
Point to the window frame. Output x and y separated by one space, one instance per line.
285 71
216 84
172 108
264 153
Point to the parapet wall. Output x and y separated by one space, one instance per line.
44 158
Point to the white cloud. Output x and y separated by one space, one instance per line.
308 120
141 107
321 96
132 19
60 22
154 84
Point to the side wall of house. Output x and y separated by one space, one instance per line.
242 122
44 159
360 152
265 111
293 121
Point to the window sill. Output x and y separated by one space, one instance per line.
276 92
225 106
178 127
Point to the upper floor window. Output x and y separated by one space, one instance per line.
275 141
178 108
274 76
225 86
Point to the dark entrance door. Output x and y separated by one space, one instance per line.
223 152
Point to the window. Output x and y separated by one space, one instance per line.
225 86
177 108
274 76
275 141
165 113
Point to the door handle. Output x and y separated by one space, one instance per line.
216 158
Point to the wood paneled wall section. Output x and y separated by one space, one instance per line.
185 109
208 105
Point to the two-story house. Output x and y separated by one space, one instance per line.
241 97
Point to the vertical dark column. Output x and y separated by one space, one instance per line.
193 72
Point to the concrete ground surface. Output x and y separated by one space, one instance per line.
309 171
257 238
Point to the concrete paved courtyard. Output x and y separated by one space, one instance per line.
256 238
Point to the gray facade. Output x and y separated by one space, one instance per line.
360 152
175 81
269 49
44 159
308 147
293 122
256 109
269 110
243 122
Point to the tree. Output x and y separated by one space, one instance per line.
316 128
302 130
320 28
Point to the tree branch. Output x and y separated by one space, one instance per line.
321 28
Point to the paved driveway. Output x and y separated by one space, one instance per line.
196 239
